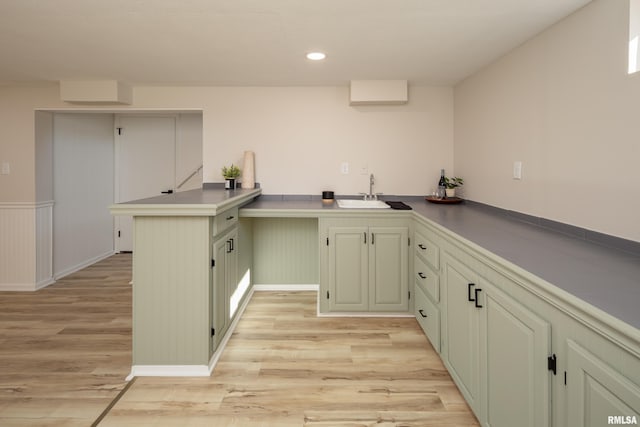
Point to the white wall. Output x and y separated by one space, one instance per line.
188 150
564 105
301 135
83 176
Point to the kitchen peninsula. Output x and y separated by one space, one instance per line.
183 303
499 298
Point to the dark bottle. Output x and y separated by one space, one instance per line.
441 186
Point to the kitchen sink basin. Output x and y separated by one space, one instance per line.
362 204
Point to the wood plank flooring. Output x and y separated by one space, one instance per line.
66 349
284 366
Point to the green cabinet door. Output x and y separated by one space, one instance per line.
599 395
224 282
462 330
515 376
219 293
231 267
348 272
388 276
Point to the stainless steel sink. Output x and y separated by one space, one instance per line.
362 204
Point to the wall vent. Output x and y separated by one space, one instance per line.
379 92
96 92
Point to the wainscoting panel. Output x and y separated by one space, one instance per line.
285 251
26 245
44 244
17 246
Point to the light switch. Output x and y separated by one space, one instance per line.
6 169
344 167
517 170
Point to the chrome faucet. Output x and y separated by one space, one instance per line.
371 195
371 182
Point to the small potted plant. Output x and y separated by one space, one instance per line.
230 174
451 184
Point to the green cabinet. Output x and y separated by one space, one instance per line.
461 329
388 265
364 266
428 316
426 272
495 348
348 269
514 375
598 393
224 282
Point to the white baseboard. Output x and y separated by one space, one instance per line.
286 287
44 283
80 266
168 371
357 314
17 287
191 370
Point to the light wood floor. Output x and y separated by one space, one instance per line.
65 350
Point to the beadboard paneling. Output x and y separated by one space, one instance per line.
17 246
285 251
171 268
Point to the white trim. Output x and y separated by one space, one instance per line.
17 287
168 371
286 287
26 205
44 283
191 370
83 264
364 314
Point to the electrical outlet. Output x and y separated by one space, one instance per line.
517 170
344 167
6 168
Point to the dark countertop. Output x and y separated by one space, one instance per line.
197 202
606 278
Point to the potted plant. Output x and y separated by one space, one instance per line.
230 174
451 184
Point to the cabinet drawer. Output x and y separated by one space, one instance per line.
428 316
427 279
428 250
224 220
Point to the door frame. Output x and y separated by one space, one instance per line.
117 144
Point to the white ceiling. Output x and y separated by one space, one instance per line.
263 42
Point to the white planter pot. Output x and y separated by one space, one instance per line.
451 192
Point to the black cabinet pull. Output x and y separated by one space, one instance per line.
470 296
477 300
167 192
233 245
422 313
421 274
423 247
229 245
365 237
373 238
229 218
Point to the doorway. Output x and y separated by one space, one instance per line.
145 149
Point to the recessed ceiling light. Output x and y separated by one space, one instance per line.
316 56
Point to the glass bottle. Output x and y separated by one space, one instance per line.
441 186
